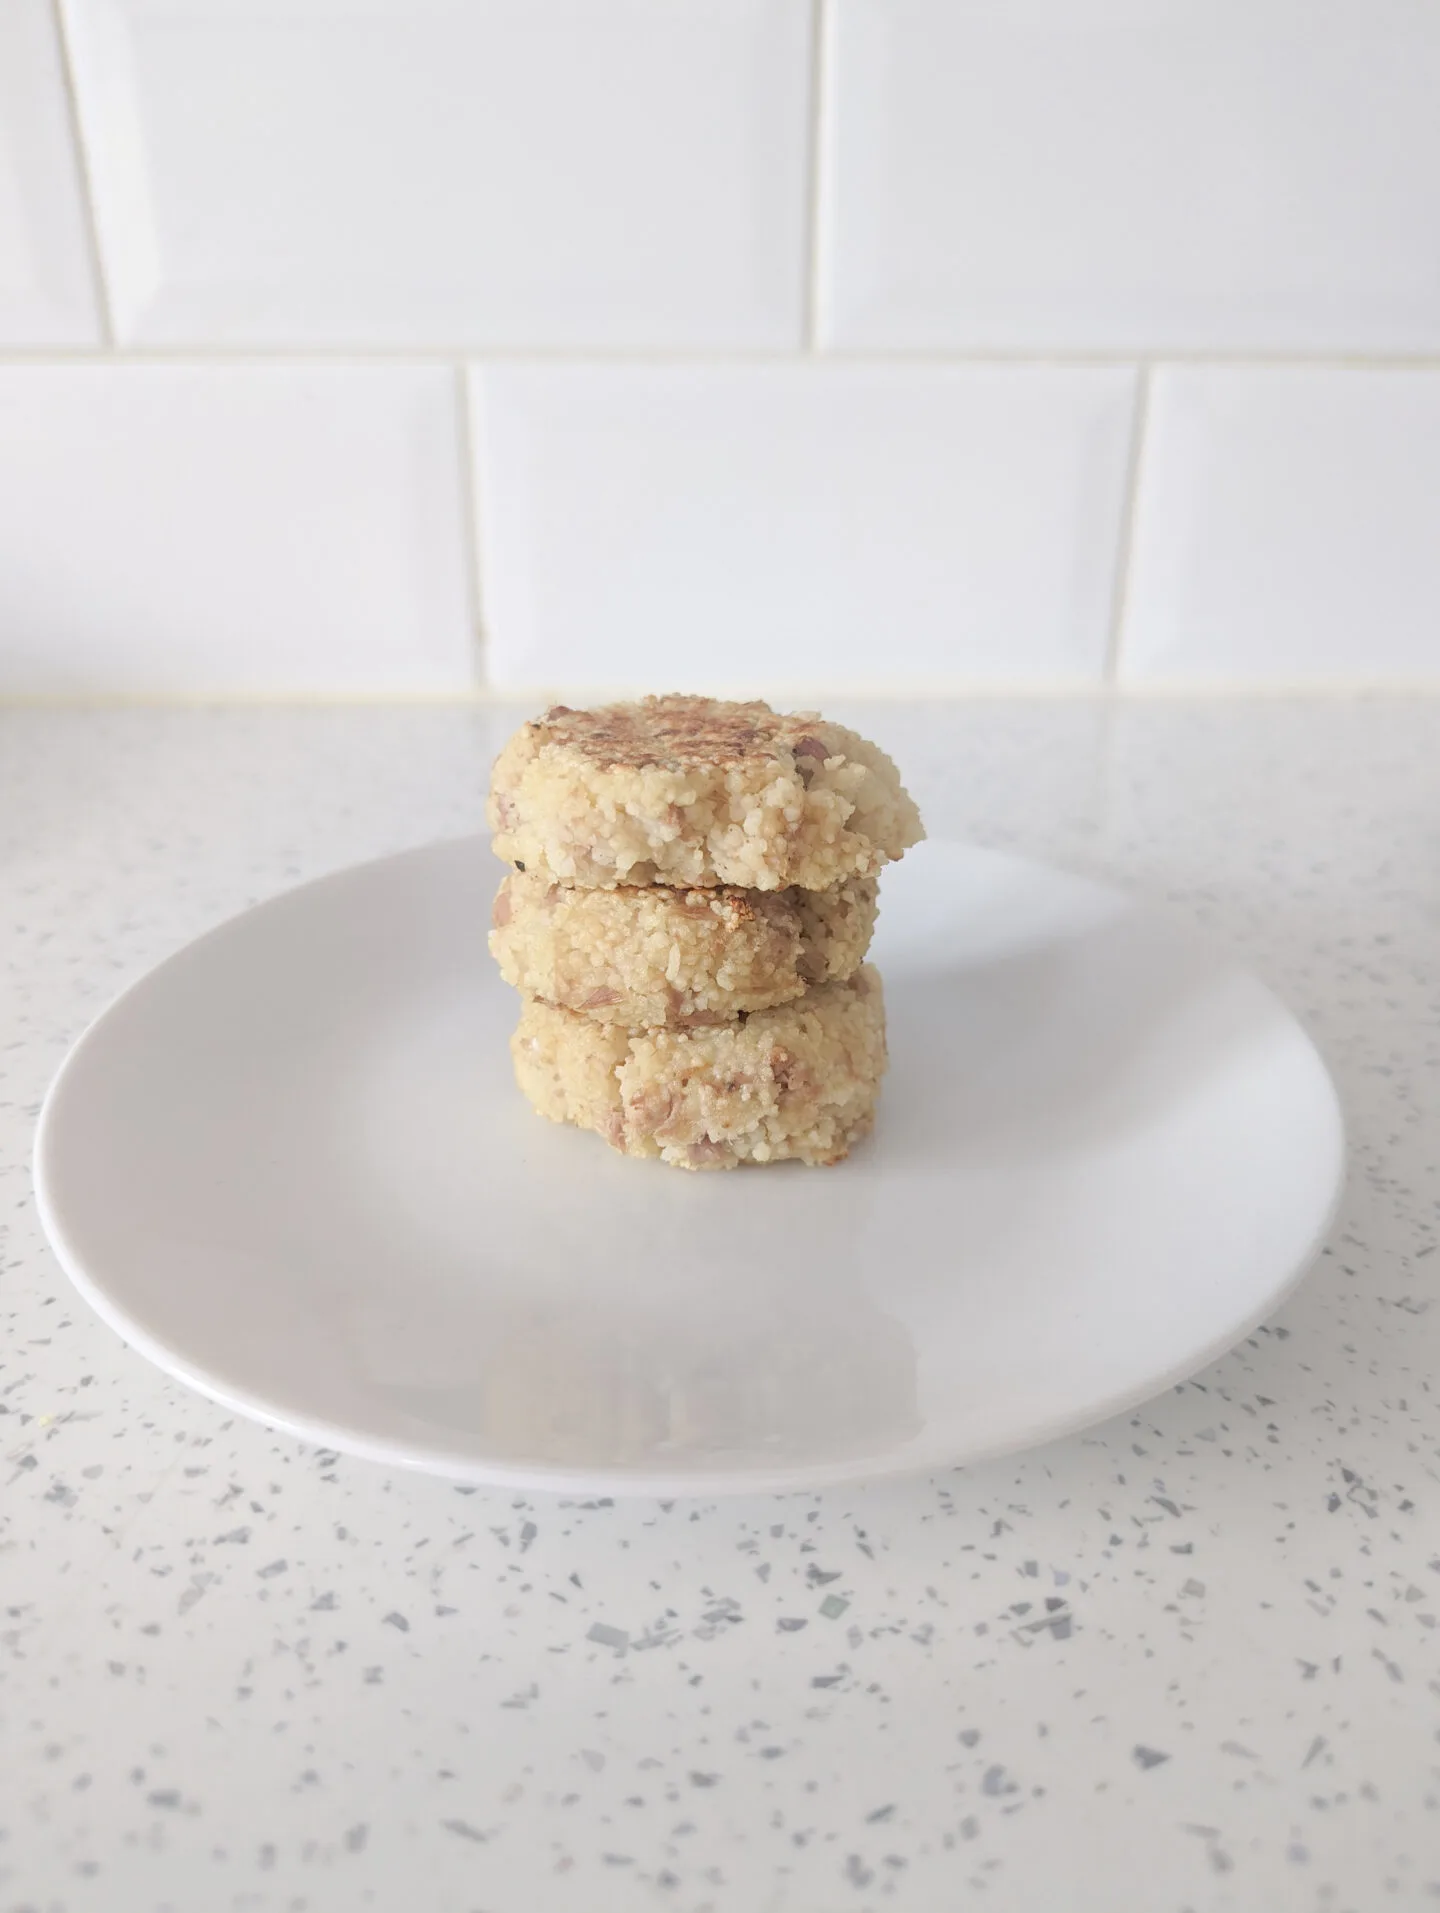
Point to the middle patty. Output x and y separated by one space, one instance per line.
648 956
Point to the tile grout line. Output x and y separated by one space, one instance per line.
814 181
470 511
972 692
1125 544
897 358
104 305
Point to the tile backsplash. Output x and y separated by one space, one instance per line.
257 528
1288 526
1133 176
856 525
523 174
419 346
47 287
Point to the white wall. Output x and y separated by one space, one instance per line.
405 346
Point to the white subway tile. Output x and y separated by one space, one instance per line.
541 173
47 294
1132 174
231 528
793 526
1288 527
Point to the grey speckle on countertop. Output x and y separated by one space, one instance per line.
1184 1664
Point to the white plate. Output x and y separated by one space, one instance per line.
290 1166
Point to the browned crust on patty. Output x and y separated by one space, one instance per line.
679 732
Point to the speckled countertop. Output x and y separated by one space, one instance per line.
1188 1661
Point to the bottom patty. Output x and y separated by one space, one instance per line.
798 1081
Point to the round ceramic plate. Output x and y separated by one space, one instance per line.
291 1167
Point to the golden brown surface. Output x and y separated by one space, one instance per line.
656 956
678 733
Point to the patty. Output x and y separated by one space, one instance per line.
691 791
798 1081
653 956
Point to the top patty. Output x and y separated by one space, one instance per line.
692 790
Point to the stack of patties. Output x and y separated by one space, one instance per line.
692 896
